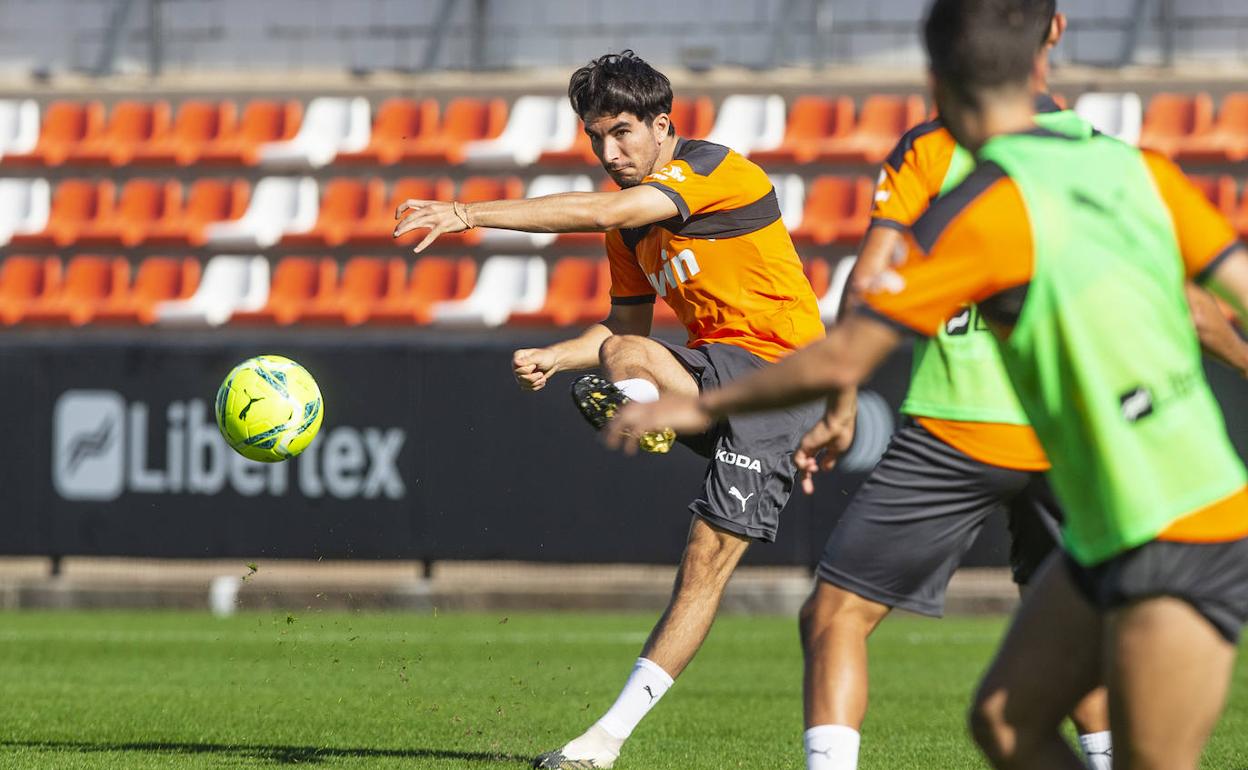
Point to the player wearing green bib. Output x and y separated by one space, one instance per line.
1075 251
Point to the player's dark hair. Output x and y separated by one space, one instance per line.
977 45
620 82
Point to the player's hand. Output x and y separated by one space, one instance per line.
683 414
533 367
438 216
830 438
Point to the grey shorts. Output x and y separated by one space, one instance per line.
751 473
1212 577
914 518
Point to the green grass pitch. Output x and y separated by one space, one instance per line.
339 690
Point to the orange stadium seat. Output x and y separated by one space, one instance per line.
581 153
1172 119
1220 190
131 125
89 282
297 282
399 122
857 218
432 280
819 273
197 124
693 118
1225 140
141 204
157 279
574 283
65 124
828 199
377 223
881 122
209 200
664 315
1240 219
346 202
75 205
598 305
813 120
465 120
365 283
25 280
262 121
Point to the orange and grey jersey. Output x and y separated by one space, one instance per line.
725 263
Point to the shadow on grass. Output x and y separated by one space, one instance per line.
280 755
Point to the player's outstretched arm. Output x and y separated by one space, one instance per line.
1217 337
560 213
533 367
1229 280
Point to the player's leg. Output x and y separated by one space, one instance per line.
896 545
629 360
1035 531
1050 659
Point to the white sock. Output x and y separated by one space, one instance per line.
831 747
1098 749
639 390
643 689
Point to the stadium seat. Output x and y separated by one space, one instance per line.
464 121
208 201
365 283
346 202
157 279
1118 115
813 120
432 280
89 282
141 203
1171 119
830 300
399 122
330 125
856 220
536 124
1220 190
545 184
262 121
1225 140
296 282
819 273
881 122
664 315
65 124
830 200
472 190
279 206
197 125
580 153
19 126
749 123
229 284
574 284
75 204
25 280
791 195
693 118
374 228
131 125
25 205
506 285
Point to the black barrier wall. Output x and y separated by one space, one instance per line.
428 451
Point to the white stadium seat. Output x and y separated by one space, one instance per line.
279 206
544 184
230 284
791 193
19 126
749 123
830 303
24 207
506 285
1118 115
536 124
331 125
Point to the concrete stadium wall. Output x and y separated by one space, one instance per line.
60 35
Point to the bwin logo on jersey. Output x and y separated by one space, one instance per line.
741 461
1136 405
676 271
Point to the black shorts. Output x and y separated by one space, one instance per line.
914 518
1212 577
751 473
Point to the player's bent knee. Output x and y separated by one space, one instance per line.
619 348
829 607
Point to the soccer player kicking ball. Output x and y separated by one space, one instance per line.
1075 251
699 225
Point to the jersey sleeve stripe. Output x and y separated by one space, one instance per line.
944 210
891 224
732 223
641 299
897 157
1208 270
681 206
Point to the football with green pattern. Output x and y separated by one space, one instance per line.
269 408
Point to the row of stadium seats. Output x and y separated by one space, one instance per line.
290 211
540 130
448 291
